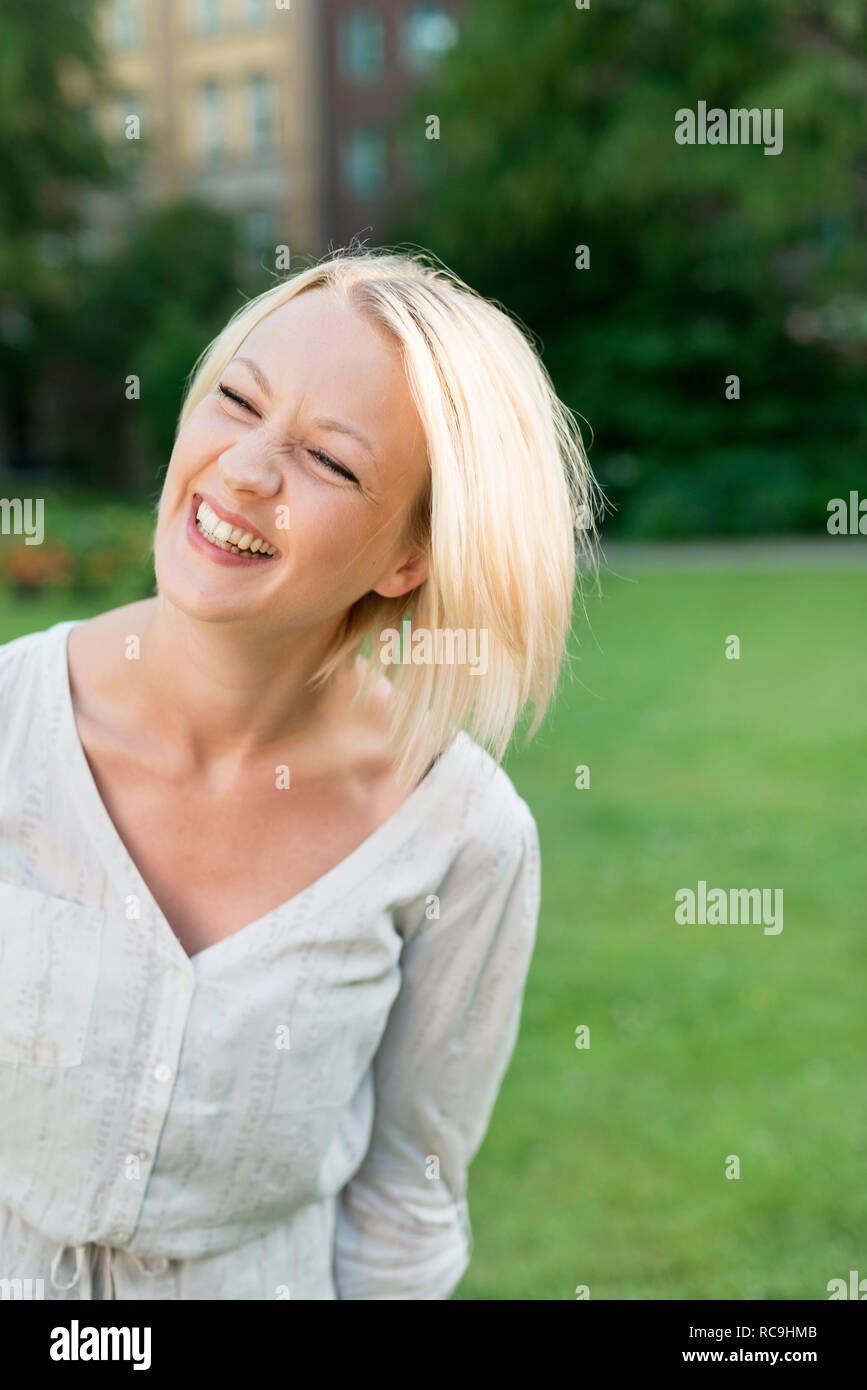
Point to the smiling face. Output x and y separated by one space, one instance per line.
309 456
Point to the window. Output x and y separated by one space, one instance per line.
257 12
259 231
428 33
212 116
260 97
126 23
361 42
365 166
210 16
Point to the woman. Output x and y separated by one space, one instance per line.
267 905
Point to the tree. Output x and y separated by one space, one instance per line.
557 130
49 152
148 311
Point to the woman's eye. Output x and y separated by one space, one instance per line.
333 466
233 396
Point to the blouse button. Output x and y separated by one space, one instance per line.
162 1072
119 1235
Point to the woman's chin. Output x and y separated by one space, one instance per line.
204 597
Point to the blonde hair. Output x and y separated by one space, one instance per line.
507 515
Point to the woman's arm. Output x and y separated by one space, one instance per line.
403 1228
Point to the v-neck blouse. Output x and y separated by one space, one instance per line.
290 1113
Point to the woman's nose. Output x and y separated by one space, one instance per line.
249 466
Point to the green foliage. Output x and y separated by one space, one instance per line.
46 149
557 131
49 155
178 258
151 309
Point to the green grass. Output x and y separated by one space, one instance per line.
606 1167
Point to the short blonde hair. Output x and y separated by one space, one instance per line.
508 512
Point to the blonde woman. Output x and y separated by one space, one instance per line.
267 897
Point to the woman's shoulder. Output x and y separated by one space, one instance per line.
21 657
30 692
25 658
493 821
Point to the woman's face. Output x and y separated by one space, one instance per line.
313 444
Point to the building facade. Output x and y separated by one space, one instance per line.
375 53
226 94
281 112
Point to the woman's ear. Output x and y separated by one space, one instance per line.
406 577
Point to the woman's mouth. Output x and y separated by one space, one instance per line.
206 528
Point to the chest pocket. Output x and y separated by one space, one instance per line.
49 964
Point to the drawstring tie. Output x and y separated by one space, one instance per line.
104 1258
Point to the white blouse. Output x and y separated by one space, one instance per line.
290 1113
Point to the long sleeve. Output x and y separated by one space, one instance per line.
159 1140
403 1229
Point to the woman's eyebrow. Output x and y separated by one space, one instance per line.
325 422
322 422
257 374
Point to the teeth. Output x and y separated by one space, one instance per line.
228 537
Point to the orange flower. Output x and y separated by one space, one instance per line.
35 567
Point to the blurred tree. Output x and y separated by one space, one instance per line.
557 129
148 311
49 151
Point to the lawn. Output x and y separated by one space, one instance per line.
606 1167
